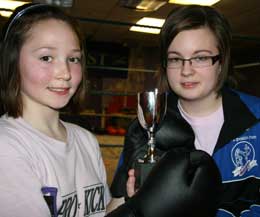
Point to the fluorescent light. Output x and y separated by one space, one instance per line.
145 29
5 13
195 2
11 5
8 6
148 21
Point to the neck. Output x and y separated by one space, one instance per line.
201 108
46 121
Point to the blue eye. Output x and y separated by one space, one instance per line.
46 58
75 59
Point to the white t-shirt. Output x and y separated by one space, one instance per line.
31 162
206 129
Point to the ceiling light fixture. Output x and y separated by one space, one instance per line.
194 2
5 13
7 6
151 24
143 5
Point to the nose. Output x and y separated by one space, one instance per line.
187 69
63 71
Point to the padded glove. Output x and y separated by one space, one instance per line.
182 184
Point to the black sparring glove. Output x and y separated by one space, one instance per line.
173 133
182 184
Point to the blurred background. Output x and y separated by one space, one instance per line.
122 61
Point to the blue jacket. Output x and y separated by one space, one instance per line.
237 154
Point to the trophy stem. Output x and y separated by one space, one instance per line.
150 157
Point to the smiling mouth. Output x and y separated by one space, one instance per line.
189 84
59 91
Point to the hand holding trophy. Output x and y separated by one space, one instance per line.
151 109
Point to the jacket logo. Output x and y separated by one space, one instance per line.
243 157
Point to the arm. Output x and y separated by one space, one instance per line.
20 189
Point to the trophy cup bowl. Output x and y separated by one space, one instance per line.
151 109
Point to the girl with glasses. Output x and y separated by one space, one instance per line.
204 112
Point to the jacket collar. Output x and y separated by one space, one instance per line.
237 118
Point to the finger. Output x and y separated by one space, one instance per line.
130 185
131 172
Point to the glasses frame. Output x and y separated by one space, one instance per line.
213 58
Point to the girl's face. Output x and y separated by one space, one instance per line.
50 65
189 82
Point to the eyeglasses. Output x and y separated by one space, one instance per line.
195 62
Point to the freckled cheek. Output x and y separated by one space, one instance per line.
35 78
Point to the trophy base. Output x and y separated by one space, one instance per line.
142 169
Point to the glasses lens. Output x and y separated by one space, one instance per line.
196 62
202 61
174 63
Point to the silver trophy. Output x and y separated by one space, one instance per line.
151 110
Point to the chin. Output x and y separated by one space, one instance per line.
58 106
190 93
189 97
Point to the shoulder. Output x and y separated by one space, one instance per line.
252 102
11 137
80 132
247 97
8 128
